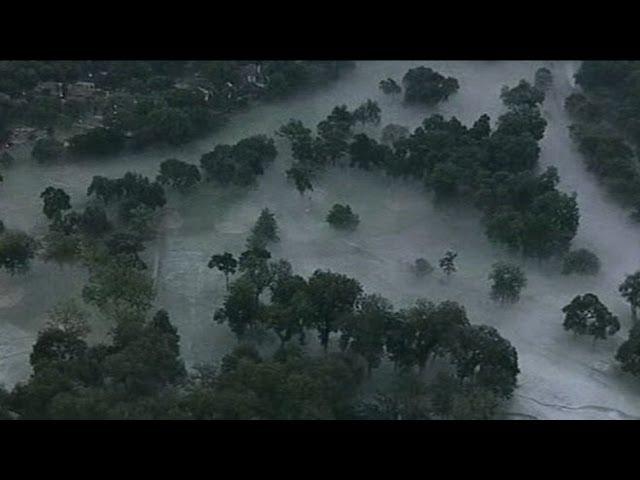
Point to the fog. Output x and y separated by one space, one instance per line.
561 376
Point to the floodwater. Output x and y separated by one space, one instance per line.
562 376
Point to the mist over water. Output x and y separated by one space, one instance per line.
561 376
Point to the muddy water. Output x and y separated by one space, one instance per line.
562 377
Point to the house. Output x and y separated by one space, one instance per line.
51 89
251 75
81 91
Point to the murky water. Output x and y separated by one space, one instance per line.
562 377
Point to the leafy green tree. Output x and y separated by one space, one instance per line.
254 263
525 119
241 310
117 288
364 332
422 267
178 174
392 133
432 329
366 153
219 164
508 281
630 291
17 249
334 133
342 217
94 221
581 262
300 177
543 79
447 262
629 352
586 315
424 85
55 201
226 263
105 189
331 299
98 141
264 231
389 86
484 358
522 94
368 112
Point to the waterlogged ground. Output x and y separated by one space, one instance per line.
562 376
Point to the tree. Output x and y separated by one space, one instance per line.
118 288
341 216
543 79
428 330
94 221
389 86
105 189
522 94
392 133
629 352
254 263
300 177
484 358
98 141
55 201
264 231
581 261
368 112
219 164
586 315
630 291
17 249
241 309
508 281
178 174
226 263
364 332
424 85
446 262
525 119
422 267
70 317
331 299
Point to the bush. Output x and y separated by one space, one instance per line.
581 262
341 216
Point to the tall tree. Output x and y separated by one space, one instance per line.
55 202
630 291
586 315
508 281
226 263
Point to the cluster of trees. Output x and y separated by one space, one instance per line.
606 128
17 250
239 164
314 153
367 326
587 315
82 234
495 168
178 174
425 85
149 102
